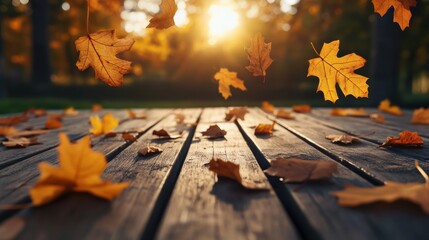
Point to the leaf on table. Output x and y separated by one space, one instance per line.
406 138
134 115
231 170
284 114
96 108
236 113
165 18
264 129
99 50
79 170
416 193
376 117
21 142
392 109
13 120
267 107
105 126
37 112
349 112
54 122
5 130
128 137
420 116
214 131
401 14
180 118
70 112
11 227
148 150
332 70
226 80
303 108
259 56
341 138
163 134
298 170
28 133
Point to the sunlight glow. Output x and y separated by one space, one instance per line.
223 19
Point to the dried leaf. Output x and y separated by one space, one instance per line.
284 114
54 122
214 131
99 127
149 150
402 13
349 112
133 115
231 170
96 108
416 193
27 133
259 56
165 18
332 70
21 142
79 170
268 107
13 120
299 170
386 107
128 137
226 80
301 108
180 118
406 138
345 138
420 116
378 118
5 130
10 228
236 113
99 50
264 129
70 112
165 135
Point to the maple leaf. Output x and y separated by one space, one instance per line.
79 171
264 129
420 116
267 107
103 127
406 138
20 142
5 130
54 122
401 14
299 170
349 112
226 80
236 113
416 193
378 118
385 106
164 134
134 115
149 150
231 170
99 50
96 108
214 131
284 114
165 17
259 56
332 70
301 108
70 112
342 138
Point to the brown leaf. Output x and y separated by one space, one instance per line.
28 133
267 107
96 108
259 56
401 14
345 138
284 114
386 107
214 131
133 115
349 112
128 137
406 138
231 170
226 80
180 118
299 170
99 50
5 130
420 116
149 150
236 113
54 122
376 117
164 134
20 142
304 108
10 228
264 129
13 120
165 17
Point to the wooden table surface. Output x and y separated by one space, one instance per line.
174 196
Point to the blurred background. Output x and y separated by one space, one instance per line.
175 67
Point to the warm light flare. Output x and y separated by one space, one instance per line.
223 19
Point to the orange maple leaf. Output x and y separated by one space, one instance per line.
406 138
259 56
99 50
392 109
104 126
226 80
54 122
267 107
79 171
332 70
165 17
401 14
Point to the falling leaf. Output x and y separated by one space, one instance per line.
332 70
264 129
96 108
226 80
165 135
420 116
231 170
284 114
5 130
402 13
406 138
386 107
267 107
301 108
349 112
299 170
416 193
149 150
165 18
54 122
79 171
70 112
236 113
134 115
11 227
128 137
13 120
378 118
259 56
342 138
99 50
99 127
21 142
180 118
214 131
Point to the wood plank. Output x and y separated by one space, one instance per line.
81 216
203 208
313 201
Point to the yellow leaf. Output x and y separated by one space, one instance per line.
401 14
226 80
259 56
165 17
386 107
99 127
267 107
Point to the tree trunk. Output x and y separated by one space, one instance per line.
2 63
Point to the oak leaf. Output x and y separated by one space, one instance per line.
406 138
54 122
267 107
149 150
226 80
70 112
259 56
284 114
420 116
349 112
99 50
104 126
332 70
236 113
299 170
376 117
402 13
264 129
162 133
134 115
165 17
79 170
385 106
20 142
214 131
303 108
416 193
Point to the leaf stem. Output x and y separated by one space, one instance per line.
312 45
87 16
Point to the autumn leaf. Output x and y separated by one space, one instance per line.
79 170
54 122
164 134
267 107
416 193
299 170
20 142
231 170
378 118
236 113
349 112
128 137
332 70
226 80
420 116
264 129
5 130
99 50
259 56
284 114
96 108
27 133
180 118
104 126
402 13
385 106
134 115
301 108
165 18
406 138
149 150
13 120
70 112
214 131
341 138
